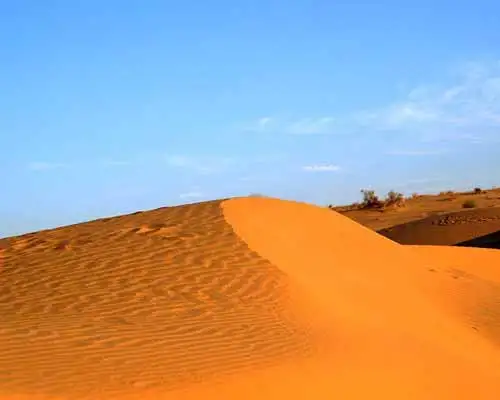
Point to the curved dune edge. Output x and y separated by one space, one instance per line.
383 333
371 308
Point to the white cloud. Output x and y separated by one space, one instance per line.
321 168
469 104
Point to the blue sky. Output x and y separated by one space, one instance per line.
108 107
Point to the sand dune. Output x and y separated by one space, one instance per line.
248 298
468 283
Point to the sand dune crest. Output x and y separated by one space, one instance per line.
372 292
247 298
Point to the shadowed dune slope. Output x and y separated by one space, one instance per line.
449 229
489 241
249 298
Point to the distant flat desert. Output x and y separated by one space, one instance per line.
256 298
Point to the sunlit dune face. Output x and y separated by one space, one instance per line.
249 298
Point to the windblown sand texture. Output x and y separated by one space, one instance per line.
247 298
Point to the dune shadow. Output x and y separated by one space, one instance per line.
467 228
489 241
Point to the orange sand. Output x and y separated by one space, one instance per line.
249 298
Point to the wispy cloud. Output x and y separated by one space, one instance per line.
471 103
321 168
264 122
262 125
293 126
467 108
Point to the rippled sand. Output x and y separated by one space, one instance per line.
247 298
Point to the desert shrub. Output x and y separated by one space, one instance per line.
478 190
469 204
370 199
394 199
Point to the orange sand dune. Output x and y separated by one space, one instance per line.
483 263
249 298
470 279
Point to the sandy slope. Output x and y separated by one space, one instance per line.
245 299
467 282
387 333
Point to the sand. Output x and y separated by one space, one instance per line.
246 298
467 282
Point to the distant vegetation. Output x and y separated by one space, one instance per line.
476 190
392 199
372 201
469 204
